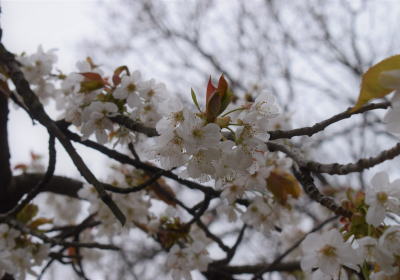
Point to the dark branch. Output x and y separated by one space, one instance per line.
309 131
39 187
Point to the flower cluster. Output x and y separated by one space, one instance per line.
222 143
182 260
18 254
377 242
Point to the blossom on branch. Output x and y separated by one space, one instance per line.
328 252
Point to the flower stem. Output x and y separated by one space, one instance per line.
237 109
365 270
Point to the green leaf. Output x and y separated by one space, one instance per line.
194 98
27 213
371 86
90 86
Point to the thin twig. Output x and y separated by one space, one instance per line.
39 187
54 241
140 187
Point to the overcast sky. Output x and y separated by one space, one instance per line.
52 24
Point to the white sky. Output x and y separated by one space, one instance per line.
52 24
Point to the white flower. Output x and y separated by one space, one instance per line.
251 137
256 213
229 210
340 274
38 64
258 179
197 135
281 122
391 80
390 240
392 120
44 91
227 164
6 266
173 112
85 67
22 261
255 85
382 276
233 190
264 107
198 256
178 261
125 136
146 113
252 128
328 252
97 113
200 165
169 150
153 227
7 236
150 90
69 91
129 89
40 253
88 192
382 195
371 252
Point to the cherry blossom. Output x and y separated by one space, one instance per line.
328 252
371 252
256 213
150 90
382 195
174 113
97 122
7 236
129 89
390 240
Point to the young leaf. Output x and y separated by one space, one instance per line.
116 78
38 222
210 90
213 106
223 86
281 184
27 213
225 101
195 99
371 86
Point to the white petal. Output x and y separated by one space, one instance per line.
380 181
375 215
308 262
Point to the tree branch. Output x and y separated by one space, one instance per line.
5 172
36 190
54 241
335 168
309 131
